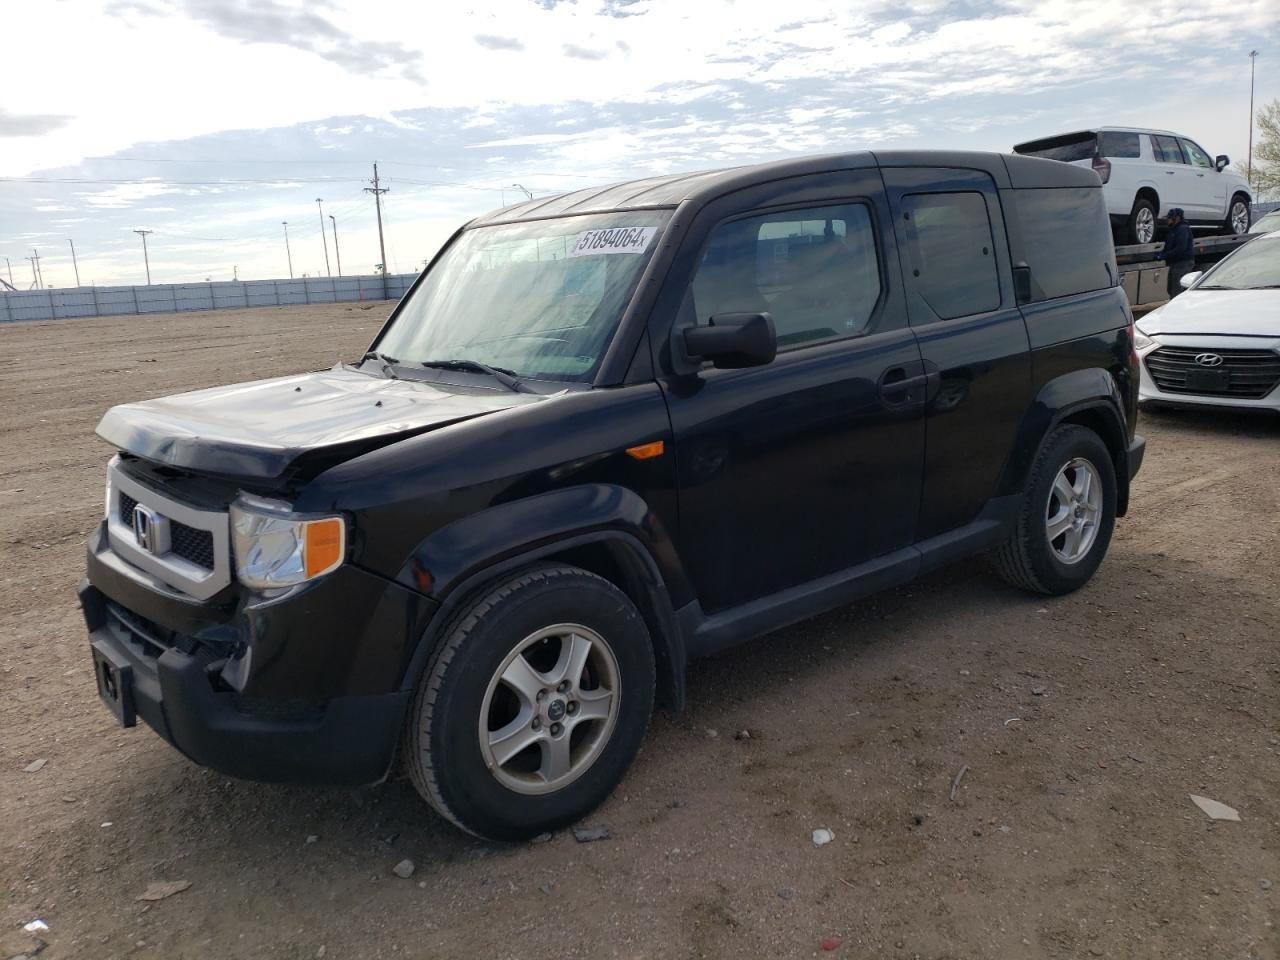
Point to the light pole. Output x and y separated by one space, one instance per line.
8 266
285 224
1253 66
323 238
525 190
145 258
75 265
336 252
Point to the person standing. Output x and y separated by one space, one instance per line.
1179 250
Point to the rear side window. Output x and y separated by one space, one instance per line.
1066 240
1167 149
952 252
1067 148
1195 156
1119 146
815 271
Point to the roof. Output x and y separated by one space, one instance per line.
702 186
1087 130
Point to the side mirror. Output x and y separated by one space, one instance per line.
1222 162
734 340
1189 278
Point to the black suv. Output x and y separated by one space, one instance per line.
605 433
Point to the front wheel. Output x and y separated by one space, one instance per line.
1237 222
1067 517
533 706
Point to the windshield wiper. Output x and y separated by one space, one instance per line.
386 363
505 377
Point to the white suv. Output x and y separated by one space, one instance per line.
1145 173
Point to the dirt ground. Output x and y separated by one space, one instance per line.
1084 722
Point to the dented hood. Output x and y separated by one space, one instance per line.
261 429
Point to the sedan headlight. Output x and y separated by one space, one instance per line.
1140 340
274 547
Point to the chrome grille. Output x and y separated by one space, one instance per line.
194 546
194 558
1246 374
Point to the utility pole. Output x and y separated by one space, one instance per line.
145 258
35 268
1253 66
35 277
337 253
323 238
377 192
73 260
285 224
8 266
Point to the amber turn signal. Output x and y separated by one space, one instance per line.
324 546
647 451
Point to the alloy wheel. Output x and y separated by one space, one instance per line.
1145 225
1074 510
550 709
1239 218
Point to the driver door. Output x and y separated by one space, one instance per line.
809 465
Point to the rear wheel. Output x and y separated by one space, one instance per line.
1237 222
534 705
1142 221
1067 516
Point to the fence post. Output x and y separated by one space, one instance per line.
306 291
97 310
275 285
136 309
8 312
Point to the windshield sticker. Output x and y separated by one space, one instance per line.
613 240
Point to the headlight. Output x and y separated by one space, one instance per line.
1140 340
276 548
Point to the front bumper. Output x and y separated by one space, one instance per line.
309 688
1150 392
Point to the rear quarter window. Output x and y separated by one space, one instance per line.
1066 240
1119 146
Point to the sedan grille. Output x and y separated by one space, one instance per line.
1243 374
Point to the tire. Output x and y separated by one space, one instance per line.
1238 217
1030 559
1141 220
467 692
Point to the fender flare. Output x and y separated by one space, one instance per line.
459 559
1092 392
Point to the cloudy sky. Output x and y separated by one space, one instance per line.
212 121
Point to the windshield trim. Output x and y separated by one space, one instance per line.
626 320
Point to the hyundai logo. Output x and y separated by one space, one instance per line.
1208 360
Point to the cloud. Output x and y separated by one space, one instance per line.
583 53
270 21
492 41
30 124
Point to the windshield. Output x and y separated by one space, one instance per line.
540 298
1267 224
1255 266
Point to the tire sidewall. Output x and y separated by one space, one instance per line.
1067 445
472 794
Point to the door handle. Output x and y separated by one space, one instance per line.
897 388
1168 173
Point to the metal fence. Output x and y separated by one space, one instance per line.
178 297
